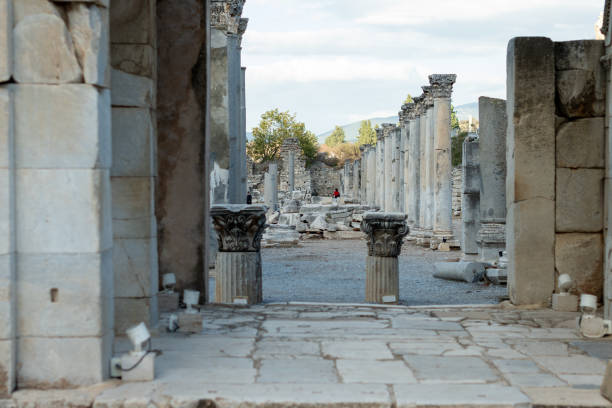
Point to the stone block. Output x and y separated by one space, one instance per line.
135 267
63 211
581 256
577 94
25 8
530 236
133 138
7 212
132 311
6 40
61 295
531 119
7 297
6 127
65 126
606 386
190 322
564 302
135 228
88 25
138 368
132 197
579 204
167 302
43 51
134 59
581 78
133 22
131 90
43 361
7 367
581 144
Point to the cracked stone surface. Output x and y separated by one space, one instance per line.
306 355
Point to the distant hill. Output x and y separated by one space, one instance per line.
352 129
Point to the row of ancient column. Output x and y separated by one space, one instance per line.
409 168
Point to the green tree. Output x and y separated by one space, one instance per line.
457 148
276 126
336 138
454 118
367 135
409 99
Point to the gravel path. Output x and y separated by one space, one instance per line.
334 272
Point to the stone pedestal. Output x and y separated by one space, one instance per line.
385 233
239 230
442 88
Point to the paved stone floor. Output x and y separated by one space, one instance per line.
334 271
362 356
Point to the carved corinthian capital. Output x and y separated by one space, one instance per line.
225 15
442 85
409 110
239 227
418 106
385 233
428 100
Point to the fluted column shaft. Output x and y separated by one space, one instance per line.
414 178
442 210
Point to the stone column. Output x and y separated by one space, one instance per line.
530 180
226 31
414 167
470 209
423 165
242 137
395 169
363 175
430 161
442 88
271 187
372 185
493 124
356 180
388 130
404 158
291 170
380 169
239 230
385 234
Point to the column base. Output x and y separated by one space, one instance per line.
237 278
382 279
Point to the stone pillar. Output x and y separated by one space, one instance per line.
430 158
347 180
388 130
356 180
242 138
385 234
239 230
530 181
395 169
404 158
271 187
291 170
470 209
372 185
363 175
226 30
414 167
380 169
493 124
442 88
423 172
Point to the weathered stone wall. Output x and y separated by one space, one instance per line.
580 163
56 274
555 166
302 178
135 259
457 181
324 179
182 176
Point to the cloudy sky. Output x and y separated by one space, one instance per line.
340 61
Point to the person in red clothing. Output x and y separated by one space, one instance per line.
336 196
